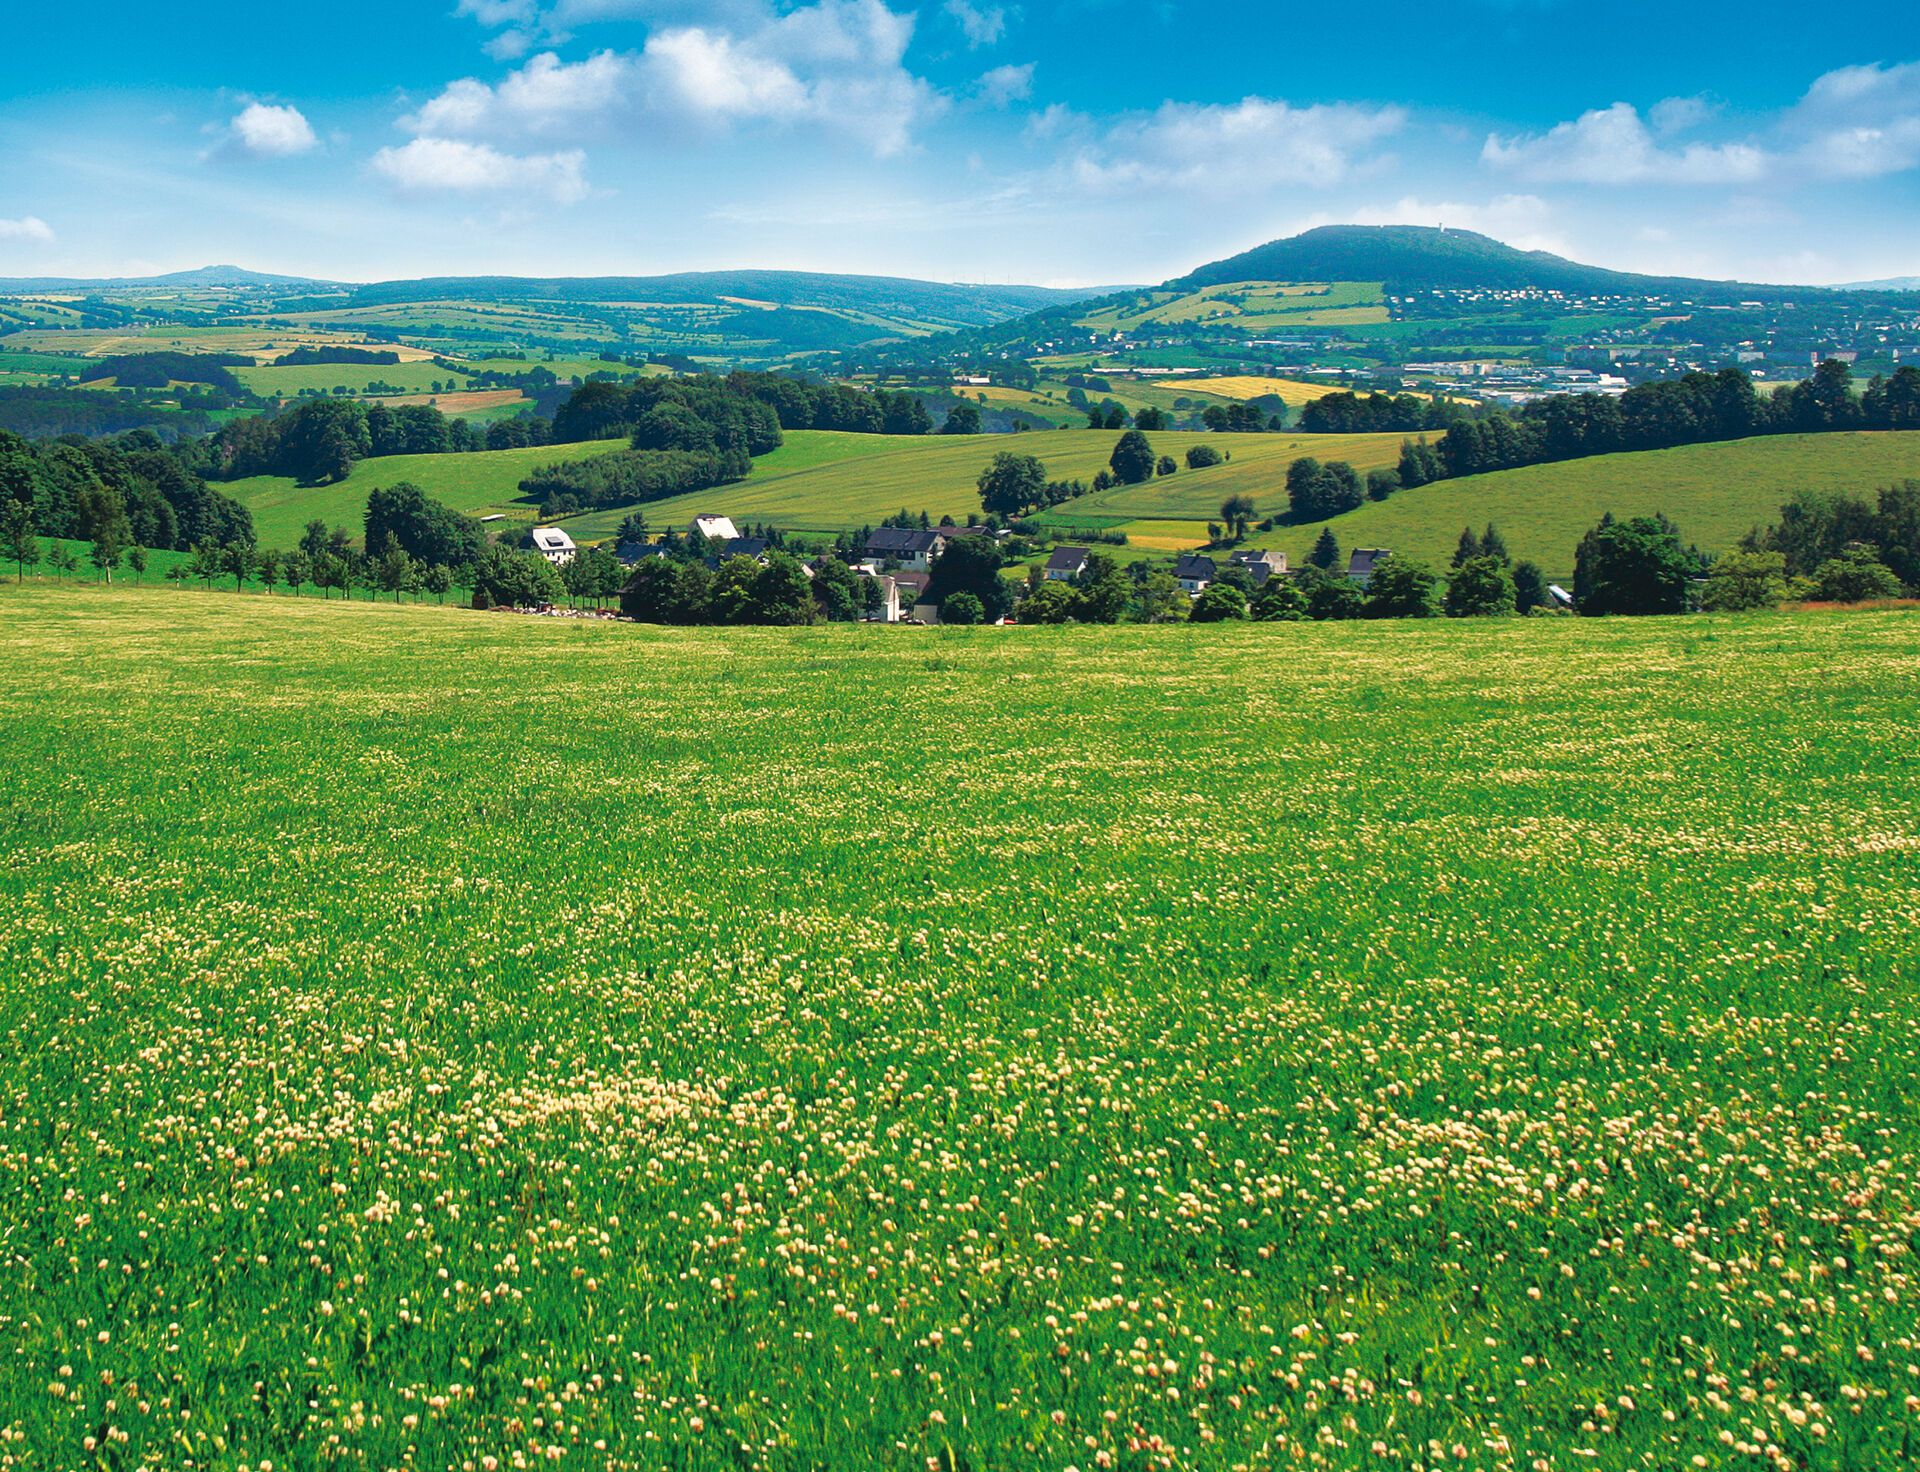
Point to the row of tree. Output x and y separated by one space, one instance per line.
1700 408
132 490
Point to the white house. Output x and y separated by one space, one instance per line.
914 550
1067 563
715 528
554 545
1360 566
1194 574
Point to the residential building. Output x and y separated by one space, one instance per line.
1067 563
715 528
1195 574
554 545
915 550
1361 564
1261 565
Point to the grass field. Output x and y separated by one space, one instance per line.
287 383
479 484
1293 392
1251 306
1714 493
446 1039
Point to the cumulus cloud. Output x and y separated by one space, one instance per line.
266 131
1859 122
29 228
1254 143
454 166
982 25
837 64
1005 85
1614 145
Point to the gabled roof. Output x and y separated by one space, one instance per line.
747 547
1362 562
1260 557
1194 569
710 525
1068 559
893 541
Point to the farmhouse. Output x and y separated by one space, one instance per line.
754 547
1361 564
1067 563
889 610
554 545
1261 565
911 549
715 528
1195 574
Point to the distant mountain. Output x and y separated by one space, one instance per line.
1411 258
884 296
228 278
1897 283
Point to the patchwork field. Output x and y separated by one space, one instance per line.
1251 306
443 1039
1292 391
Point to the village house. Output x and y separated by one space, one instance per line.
914 550
1361 564
554 545
1262 566
715 528
754 547
889 610
1067 563
1195 574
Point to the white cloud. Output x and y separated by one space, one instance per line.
545 95
1005 85
1229 148
266 131
29 227
1860 122
1613 145
982 25
448 165
835 64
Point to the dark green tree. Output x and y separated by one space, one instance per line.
1633 568
1133 459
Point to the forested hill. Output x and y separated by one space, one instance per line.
1411 258
885 296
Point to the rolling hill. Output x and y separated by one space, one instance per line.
1408 258
1714 493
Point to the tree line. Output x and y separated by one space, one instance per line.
1700 408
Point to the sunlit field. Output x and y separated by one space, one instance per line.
450 1040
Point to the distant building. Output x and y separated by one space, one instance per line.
911 549
1195 574
1364 560
1261 565
715 528
554 545
754 547
1067 563
889 610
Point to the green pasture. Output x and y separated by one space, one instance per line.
442 1039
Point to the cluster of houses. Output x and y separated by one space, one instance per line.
900 560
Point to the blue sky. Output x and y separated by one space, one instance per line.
1074 142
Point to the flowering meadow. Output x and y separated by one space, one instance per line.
436 1040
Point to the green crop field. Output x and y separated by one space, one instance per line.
287 383
940 474
446 1040
1714 493
479 484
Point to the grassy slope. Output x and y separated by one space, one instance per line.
1459 995
1714 493
479 484
939 475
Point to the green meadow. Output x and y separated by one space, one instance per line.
288 383
445 1040
479 484
1714 493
